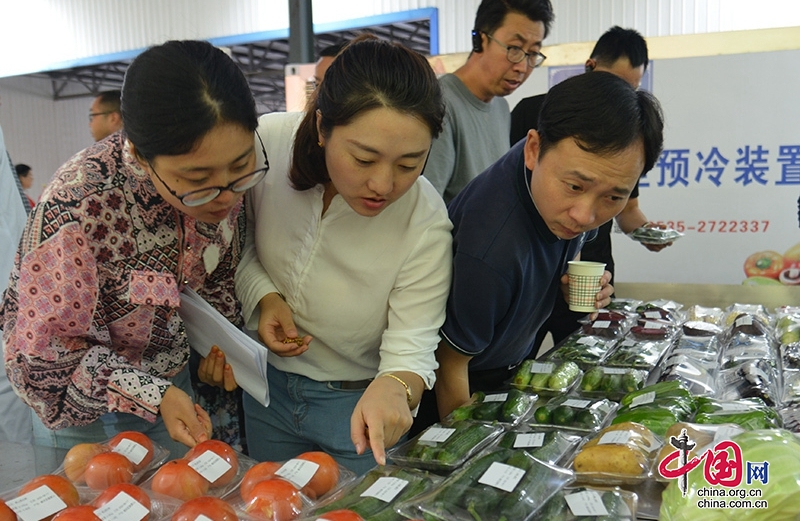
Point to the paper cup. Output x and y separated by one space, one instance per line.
584 283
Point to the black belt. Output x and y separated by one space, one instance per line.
356 385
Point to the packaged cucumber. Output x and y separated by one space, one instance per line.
550 446
548 378
443 447
509 407
612 382
499 485
578 413
375 494
586 351
591 504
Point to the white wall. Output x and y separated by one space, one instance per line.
55 33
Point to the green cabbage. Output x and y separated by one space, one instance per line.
778 447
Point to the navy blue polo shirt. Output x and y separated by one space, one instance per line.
507 266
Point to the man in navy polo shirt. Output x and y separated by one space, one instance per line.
518 224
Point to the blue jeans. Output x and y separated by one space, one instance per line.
113 423
303 415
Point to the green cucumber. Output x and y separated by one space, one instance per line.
461 443
563 415
517 404
522 378
591 380
542 415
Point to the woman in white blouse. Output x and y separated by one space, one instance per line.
348 260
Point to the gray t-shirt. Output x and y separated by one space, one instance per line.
474 136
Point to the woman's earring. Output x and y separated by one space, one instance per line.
319 143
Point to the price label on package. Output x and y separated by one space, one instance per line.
299 472
122 508
210 465
385 488
436 434
528 439
542 367
131 450
586 503
502 476
37 504
615 438
497 397
576 403
643 399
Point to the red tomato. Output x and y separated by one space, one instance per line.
60 485
275 500
132 490
224 451
255 474
106 469
214 509
340 515
78 513
326 476
6 514
177 479
78 457
140 439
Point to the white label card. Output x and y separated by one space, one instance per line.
578 404
601 324
37 504
746 320
528 439
587 340
201 517
652 314
652 325
734 406
210 465
385 488
122 508
629 342
586 503
542 367
131 450
297 471
497 397
643 399
436 434
614 438
502 476
726 433
615 370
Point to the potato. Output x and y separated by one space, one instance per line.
619 460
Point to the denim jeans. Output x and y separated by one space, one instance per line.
303 415
113 423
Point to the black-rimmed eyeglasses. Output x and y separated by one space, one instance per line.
206 195
93 114
516 54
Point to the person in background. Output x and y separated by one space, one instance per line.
105 117
517 225
326 56
348 294
622 52
506 44
93 340
16 426
25 174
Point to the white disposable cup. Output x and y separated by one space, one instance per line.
584 283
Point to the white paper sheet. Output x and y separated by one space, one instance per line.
206 327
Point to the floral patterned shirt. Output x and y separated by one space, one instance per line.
90 314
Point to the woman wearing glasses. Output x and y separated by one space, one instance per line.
93 340
348 277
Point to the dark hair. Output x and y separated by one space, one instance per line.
175 93
492 13
603 114
109 99
332 50
22 169
369 73
617 43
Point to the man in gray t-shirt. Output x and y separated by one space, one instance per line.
506 42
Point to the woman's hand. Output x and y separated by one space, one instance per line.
276 327
185 421
382 415
214 371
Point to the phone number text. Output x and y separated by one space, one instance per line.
717 226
